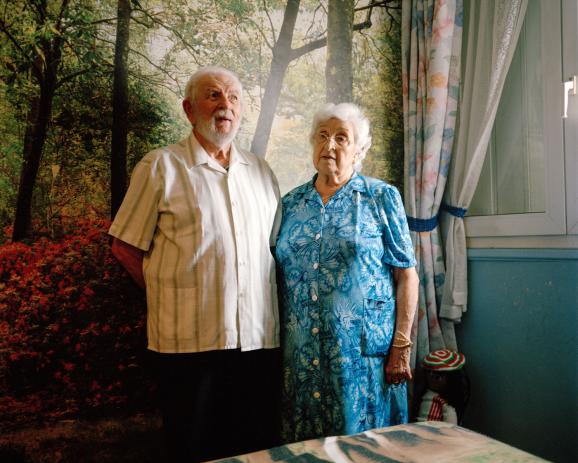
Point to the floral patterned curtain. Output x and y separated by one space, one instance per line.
431 47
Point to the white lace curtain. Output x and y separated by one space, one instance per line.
492 34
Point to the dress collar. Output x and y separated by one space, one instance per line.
355 183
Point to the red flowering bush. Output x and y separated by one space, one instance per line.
72 327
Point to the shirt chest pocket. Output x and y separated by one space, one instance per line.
377 327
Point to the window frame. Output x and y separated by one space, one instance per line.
560 217
570 68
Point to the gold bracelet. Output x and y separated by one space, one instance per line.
401 341
400 345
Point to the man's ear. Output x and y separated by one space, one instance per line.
188 108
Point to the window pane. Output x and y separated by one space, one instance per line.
513 180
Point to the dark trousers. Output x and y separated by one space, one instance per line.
219 403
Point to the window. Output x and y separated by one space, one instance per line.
526 187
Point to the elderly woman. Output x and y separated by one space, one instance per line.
348 289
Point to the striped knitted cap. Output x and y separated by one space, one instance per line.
444 360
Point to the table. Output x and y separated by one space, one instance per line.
430 441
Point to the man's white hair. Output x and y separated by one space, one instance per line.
347 112
192 84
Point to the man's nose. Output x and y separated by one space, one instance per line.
224 102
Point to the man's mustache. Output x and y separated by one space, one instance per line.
223 114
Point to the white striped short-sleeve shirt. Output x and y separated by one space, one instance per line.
209 272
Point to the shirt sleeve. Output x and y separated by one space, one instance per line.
278 212
136 219
396 238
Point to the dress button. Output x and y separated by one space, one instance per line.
316 265
315 330
314 297
317 236
315 362
316 394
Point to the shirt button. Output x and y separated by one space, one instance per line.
315 330
315 362
316 265
314 297
316 394
317 236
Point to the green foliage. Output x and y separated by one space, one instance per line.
238 8
10 156
290 152
378 88
72 328
77 147
9 167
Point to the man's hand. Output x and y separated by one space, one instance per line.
131 259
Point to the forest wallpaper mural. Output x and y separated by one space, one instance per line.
88 87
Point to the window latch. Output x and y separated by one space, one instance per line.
570 88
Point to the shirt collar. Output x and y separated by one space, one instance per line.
197 155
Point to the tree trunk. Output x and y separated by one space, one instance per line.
339 69
283 54
34 138
281 58
118 155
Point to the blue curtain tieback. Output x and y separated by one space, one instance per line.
422 225
427 225
453 210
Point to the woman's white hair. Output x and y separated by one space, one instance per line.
192 84
347 112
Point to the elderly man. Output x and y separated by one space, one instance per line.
194 231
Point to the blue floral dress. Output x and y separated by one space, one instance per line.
338 307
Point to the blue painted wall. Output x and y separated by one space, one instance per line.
519 336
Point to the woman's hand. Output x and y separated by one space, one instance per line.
397 369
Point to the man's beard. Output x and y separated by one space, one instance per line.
208 129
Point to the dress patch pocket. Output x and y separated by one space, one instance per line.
378 324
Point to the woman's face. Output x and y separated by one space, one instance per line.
334 151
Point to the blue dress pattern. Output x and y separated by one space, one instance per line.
338 307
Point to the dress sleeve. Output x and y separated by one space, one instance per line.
136 219
398 250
